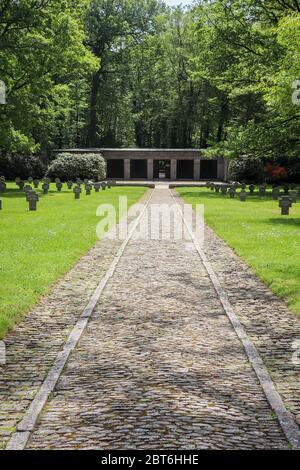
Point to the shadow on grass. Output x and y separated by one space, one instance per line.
215 196
292 221
16 193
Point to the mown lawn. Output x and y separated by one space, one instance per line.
36 248
267 241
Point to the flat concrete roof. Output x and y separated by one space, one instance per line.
134 149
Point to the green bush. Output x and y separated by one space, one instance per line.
20 166
71 166
246 170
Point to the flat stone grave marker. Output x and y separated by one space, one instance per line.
77 192
243 196
285 203
32 198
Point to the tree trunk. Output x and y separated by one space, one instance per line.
92 135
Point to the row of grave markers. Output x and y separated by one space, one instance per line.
286 200
32 197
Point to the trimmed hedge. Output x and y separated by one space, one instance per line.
69 166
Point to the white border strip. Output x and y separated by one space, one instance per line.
20 438
285 418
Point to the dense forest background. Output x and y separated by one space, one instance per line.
221 75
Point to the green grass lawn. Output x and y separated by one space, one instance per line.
36 248
267 241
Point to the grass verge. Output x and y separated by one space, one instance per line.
267 241
37 248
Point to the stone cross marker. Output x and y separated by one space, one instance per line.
276 193
103 185
77 192
262 190
97 187
285 203
293 196
32 198
45 188
232 193
70 184
36 183
243 196
88 189
59 186
251 188
286 189
224 190
2 186
27 190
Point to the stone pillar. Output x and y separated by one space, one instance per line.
150 169
127 169
221 169
226 171
197 169
173 169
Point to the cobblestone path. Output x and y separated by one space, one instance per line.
160 366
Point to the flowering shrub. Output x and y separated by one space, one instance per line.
275 173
